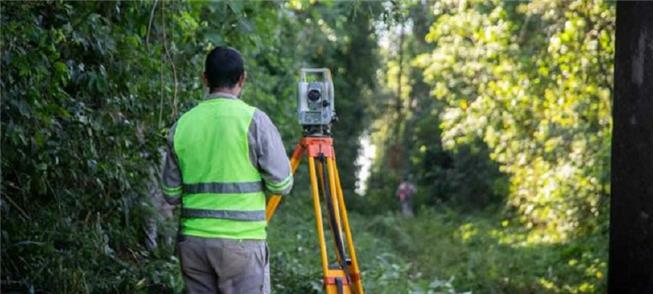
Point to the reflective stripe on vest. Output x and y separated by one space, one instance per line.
256 215
243 187
223 193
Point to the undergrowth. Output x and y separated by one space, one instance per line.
439 251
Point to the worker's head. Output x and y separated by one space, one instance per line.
224 70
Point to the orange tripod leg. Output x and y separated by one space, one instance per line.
355 270
319 226
275 199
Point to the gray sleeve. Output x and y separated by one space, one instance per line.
171 183
268 154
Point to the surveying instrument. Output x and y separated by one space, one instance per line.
316 111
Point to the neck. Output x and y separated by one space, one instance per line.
233 91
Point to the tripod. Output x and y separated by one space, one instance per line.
345 277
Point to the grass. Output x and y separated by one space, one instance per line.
439 251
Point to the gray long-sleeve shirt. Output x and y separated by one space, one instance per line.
266 152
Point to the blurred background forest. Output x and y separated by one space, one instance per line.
498 111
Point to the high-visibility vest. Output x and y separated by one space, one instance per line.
222 189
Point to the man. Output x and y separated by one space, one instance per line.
405 193
222 155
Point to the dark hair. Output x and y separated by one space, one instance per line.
223 67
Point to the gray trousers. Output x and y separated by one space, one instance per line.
226 266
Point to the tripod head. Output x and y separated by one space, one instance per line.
317 131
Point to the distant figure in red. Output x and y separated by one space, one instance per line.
405 193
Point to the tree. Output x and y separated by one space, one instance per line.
631 210
532 81
89 90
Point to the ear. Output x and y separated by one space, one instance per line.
242 79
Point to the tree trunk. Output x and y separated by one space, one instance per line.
631 210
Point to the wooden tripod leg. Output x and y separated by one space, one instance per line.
275 199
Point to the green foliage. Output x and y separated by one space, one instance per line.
79 141
520 123
408 133
296 264
521 114
465 178
522 87
439 251
489 255
533 81
89 90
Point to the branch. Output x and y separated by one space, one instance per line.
22 212
172 63
149 26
